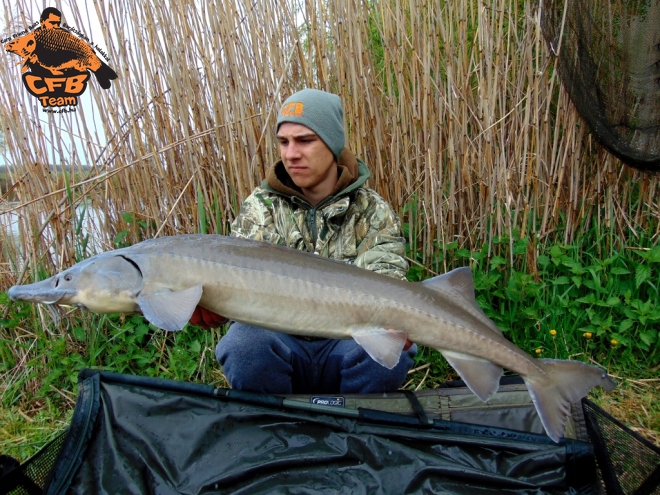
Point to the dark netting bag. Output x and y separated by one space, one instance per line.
628 463
133 434
609 62
144 435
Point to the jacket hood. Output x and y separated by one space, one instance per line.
353 173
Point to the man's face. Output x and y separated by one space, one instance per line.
52 21
307 159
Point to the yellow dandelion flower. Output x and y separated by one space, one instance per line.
539 350
614 342
553 332
588 335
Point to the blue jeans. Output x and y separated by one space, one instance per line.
258 360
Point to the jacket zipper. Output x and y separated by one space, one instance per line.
311 217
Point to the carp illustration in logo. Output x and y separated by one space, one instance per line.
50 51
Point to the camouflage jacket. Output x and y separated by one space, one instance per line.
353 224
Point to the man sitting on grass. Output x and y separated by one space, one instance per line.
314 200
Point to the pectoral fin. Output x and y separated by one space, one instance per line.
481 376
382 344
167 309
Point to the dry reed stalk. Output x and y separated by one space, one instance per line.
456 108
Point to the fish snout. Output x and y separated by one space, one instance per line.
14 293
29 294
47 291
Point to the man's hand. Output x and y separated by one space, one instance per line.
204 318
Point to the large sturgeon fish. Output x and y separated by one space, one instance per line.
303 294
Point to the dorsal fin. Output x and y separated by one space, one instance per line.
458 280
459 284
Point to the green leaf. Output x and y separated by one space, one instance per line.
620 271
497 261
141 330
574 266
610 260
625 325
520 246
530 313
652 256
8 323
561 281
649 337
654 315
415 274
79 333
631 314
463 253
590 284
478 255
588 299
556 251
612 302
642 274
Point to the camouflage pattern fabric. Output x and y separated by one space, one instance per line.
355 225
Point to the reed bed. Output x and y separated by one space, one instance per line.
455 107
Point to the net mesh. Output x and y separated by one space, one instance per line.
628 463
31 476
608 58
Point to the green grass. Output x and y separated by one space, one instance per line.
119 343
583 301
24 433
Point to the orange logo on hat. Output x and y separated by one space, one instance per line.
294 109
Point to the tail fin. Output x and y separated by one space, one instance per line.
564 383
104 75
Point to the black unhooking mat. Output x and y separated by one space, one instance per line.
142 435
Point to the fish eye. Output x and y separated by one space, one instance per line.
67 278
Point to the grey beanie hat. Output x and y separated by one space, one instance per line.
320 112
